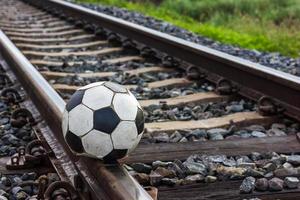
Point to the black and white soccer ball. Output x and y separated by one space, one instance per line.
103 120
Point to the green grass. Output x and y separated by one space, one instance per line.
266 25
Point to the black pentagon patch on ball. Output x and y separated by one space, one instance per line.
75 100
139 121
106 120
114 155
115 87
74 142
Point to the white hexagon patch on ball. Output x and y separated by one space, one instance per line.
103 120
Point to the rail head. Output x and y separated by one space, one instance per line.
281 86
104 182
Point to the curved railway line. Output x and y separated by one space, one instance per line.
53 47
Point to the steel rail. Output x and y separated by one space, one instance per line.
104 182
283 87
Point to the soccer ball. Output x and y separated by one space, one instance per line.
103 120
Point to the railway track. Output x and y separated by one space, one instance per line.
212 120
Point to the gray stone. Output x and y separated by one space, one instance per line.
162 137
153 107
5 181
141 168
245 135
177 169
172 115
21 195
287 165
243 159
27 189
175 137
247 185
270 167
221 131
210 179
229 162
155 178
169 181
235 108
278 160
258 134
247 165
261 184
254 173
217 158
183 139
3 198
2 187
278 126
2 192
258 128
180 164
195 168
275 184
17 180
294 159
255 156
193 179
276 132
16 190
269 175
159 163
11 139
165 172
199 133
285 172
216 136
291 182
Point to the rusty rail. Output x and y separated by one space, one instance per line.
103 182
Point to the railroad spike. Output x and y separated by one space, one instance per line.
89 28
33 155
61 190
114 39
11 95
267 106
101 33
225 87
130 46
149 54
22 116
169 61
194 73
